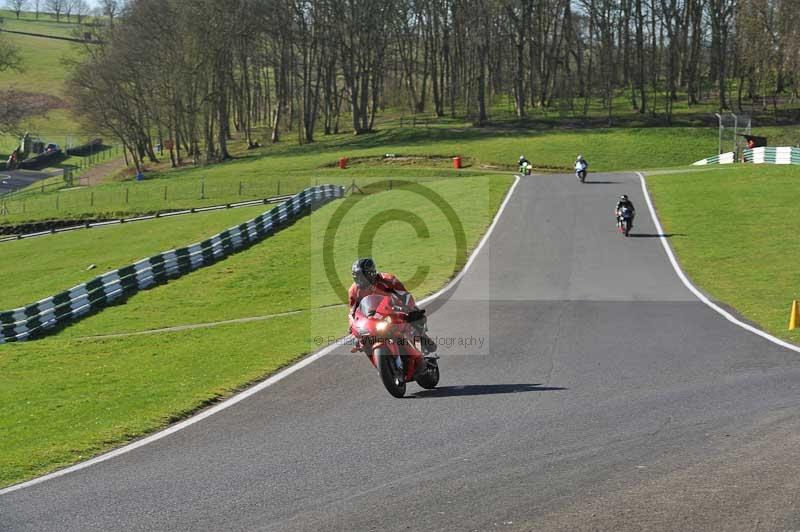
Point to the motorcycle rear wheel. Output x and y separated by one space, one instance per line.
391 376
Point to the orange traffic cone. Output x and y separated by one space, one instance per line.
794 316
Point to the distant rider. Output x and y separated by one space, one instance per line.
580 160
524 165
368 281
625 202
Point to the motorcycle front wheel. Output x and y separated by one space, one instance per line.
391 375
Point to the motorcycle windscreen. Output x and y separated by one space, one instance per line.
371 304
382 305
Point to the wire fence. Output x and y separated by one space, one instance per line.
143 196
42 317
72 174
93 158
166 194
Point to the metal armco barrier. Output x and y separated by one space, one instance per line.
247 203
37 319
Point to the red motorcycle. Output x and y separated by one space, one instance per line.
381 327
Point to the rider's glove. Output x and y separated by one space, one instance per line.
416 315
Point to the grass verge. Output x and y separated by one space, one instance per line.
70 396
291 167
735 235
41 81
61 260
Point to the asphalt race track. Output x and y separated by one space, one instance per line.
605 397
11 180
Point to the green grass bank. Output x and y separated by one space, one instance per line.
735 234
62 260
420 153
72 395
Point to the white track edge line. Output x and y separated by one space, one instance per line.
478 248
256 388
685 280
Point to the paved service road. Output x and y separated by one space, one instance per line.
11 180
607 398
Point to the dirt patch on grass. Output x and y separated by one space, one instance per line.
16 106
393 159
437 161
28 103
103 173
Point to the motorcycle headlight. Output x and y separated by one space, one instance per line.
381 326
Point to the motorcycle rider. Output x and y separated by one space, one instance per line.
581 168
624 202
367 281
524 165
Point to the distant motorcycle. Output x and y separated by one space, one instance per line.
625 220
580 171
381 327
526 168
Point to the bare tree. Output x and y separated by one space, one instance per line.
17 6
520 14
361 32
789 17
9 55
720 13
111 9
81 9
672 20
56 7
10 111
310 30
16 106
309 66
69 8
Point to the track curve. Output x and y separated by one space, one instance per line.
605 396
13 180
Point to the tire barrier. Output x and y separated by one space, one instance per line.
770 155
44 316
723 158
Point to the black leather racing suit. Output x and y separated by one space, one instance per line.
629 205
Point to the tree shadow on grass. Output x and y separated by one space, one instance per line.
483 389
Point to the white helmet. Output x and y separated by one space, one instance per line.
579 157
